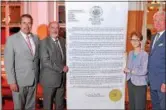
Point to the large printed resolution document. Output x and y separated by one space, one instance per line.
96 42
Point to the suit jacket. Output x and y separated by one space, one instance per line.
157 63
139 66
51 67
21 66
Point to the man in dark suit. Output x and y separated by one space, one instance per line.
157 63
53 68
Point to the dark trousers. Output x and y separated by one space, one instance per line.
137 96
54 95
158 100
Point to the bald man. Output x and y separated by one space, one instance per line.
157 63
53 68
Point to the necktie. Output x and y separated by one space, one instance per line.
29 44
156 39
59 48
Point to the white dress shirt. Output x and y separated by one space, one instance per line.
31 41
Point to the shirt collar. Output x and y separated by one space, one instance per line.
161 32
24 35
54 38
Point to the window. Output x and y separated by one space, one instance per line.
61 18
11 12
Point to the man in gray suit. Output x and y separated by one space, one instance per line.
53 69
22 65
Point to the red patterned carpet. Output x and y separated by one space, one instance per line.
8 105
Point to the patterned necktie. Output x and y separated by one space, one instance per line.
29 44
156 39
59 49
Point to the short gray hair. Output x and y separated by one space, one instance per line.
159 13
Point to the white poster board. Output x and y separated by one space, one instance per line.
96 42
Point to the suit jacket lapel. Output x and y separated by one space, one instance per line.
35 42
51 44
62 47
157 42
152 49
24 44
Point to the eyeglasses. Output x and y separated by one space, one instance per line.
134 40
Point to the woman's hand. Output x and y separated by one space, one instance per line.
126 70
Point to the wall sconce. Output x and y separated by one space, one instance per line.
5 19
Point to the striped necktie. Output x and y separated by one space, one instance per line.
29 44
156 39
59 48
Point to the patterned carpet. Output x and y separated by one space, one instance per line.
8 105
